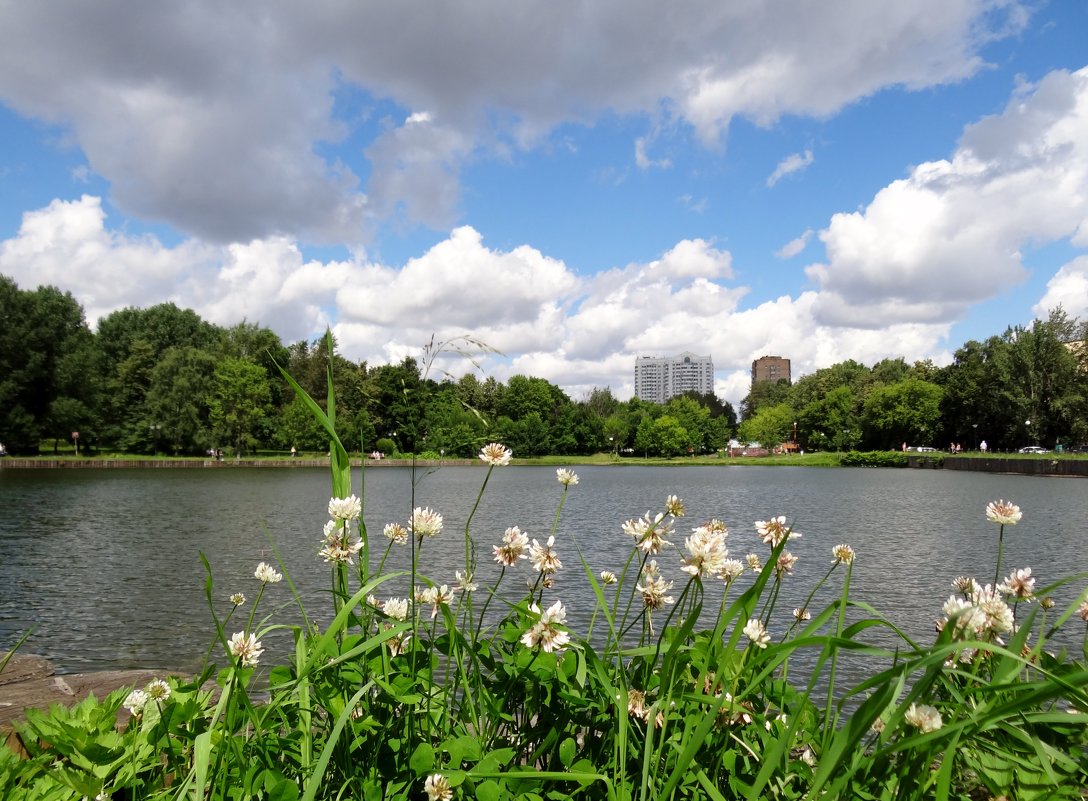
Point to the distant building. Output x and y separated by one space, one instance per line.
770 368
659 378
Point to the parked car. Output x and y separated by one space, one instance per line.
922 449
1033 449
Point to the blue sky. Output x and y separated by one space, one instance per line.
576 184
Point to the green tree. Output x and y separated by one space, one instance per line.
769 426
908 411
822 423
178 400
240 402
670 438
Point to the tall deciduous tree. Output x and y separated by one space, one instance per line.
240 402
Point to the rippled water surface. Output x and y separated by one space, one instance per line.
105 564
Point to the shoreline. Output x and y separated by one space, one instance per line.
1005 463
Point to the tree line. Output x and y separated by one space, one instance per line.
1027 386
163 380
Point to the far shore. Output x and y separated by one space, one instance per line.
1044 465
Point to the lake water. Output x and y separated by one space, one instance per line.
105 563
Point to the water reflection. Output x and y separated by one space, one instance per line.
106 563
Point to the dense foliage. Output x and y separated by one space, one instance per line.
162 380
691 682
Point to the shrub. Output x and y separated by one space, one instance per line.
873 459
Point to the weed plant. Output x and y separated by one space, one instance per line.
457 690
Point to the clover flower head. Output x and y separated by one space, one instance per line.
339 545
437 787
465 582
515 546
545 632
1020 584
674 506
649 532
348 508
266 574
636 704
706 552
246 648
967 585
425 522
544 558
437 596
495 454
398 644
608 577
654 588
1005 513
754 563
717 526
731 569
775 530
844 554
784 565
157 690
755 631
238 598
396 608
135 701
395 532
923 717
566 477
802 614
1082 611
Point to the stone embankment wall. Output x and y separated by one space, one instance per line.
1043 466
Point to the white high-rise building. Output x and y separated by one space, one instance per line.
660 378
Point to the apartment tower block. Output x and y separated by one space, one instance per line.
659 378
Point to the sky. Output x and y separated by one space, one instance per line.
573 183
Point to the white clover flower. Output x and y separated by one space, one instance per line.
135 701
157 690
923 717
1020 584
545 632
398 644
784 565
437 787
755 631
566 477
514 546
465 582
654 588
396 533
348 508
425 522
649 532
967 585
266 574
1005 513
396 608
438 596
706 552
1082 611
496 455
636 704
802 614
674 506
543 557
238 598
775 530
844 554
608 577
338 544
246 648
753 562
731 569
